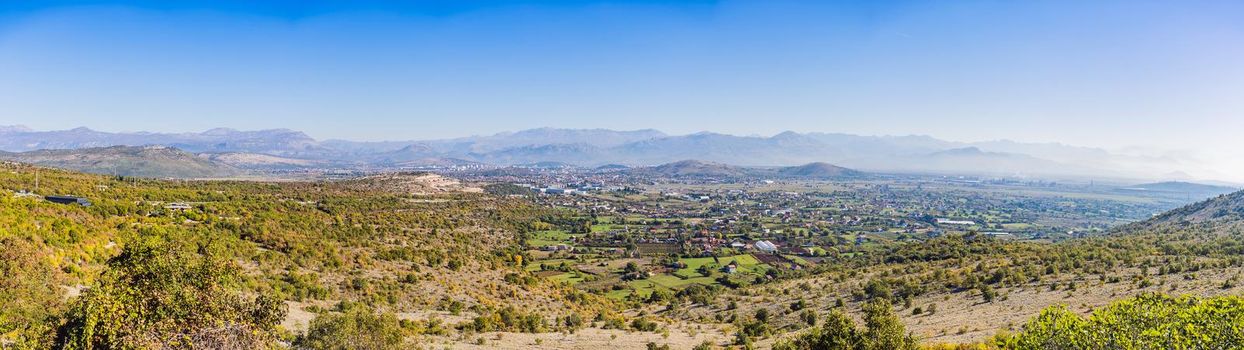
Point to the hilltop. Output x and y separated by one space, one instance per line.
690 169
818 170
696 169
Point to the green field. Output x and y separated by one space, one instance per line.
535 265
674 282
569 277
548 238
746 263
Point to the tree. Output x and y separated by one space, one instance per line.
883 331
704 270
168 294
838 332
1147 321
631 267
987 293
29 296
356 328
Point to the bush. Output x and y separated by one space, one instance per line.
883 331
167 294
1148 321
356 328
643 324
30 298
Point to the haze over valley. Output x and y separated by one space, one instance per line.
289 149
621 174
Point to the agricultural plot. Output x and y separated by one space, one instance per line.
745 262
548 238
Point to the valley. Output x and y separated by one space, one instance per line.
633 175
684 255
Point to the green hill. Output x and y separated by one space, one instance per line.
146 161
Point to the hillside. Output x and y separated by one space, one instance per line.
144 161
695 169
259 161
1221 211
818 170
459 268
412 246
1179 188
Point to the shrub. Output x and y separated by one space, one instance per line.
356 328
1148 321
883 330
169 294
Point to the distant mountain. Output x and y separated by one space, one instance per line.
596 147
257 161
571 153
405 154
275 141
438 162
146 161
1178 189
612 167
818 170
973 160
542 137
712 170
695 169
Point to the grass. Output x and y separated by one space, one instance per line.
796 259
1016 226
548 238
535 265
618 294
674 282
569 277
746 263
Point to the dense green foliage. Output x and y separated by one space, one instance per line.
356 328
1149 321
882 331
160 293
29 294
220 271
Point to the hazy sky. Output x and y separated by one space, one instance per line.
1137 75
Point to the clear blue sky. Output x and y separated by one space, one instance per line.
1155 74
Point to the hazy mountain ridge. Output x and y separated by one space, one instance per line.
696 169
144 161
595 147
1181 187
818 170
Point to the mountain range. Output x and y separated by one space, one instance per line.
283 148
693 169
143 161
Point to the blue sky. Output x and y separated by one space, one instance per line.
1140 76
